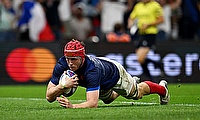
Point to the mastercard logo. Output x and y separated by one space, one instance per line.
23 64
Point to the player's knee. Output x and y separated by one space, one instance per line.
107 101
139 94
106 96
138 97
141 60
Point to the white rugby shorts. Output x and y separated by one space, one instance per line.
126 85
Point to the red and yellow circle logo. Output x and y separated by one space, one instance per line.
24 64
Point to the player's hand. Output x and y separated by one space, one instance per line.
71 81
130 24
64 102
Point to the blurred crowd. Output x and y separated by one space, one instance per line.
91 20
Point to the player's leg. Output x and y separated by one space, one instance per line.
141 57
127 85
145 44
137 91
108 96
148 87
141 53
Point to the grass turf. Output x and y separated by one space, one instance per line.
27 102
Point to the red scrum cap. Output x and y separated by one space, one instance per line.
74 48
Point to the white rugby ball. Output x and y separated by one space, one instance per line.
68 91
70 73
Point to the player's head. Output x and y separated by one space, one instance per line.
75 49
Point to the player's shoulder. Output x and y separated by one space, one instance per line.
139 4
90 57
94 61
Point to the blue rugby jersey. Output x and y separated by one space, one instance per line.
95 73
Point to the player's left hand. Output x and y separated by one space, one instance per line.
64 102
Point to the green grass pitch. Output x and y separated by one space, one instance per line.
27 102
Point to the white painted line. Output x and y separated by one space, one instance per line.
10 98
114 103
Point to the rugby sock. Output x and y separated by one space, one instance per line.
156 88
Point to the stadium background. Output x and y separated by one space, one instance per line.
32 63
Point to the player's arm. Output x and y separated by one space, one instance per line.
130 22
132 17
92 98
158 21
91 101
53 91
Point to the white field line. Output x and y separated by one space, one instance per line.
115 103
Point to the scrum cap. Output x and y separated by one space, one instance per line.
74 48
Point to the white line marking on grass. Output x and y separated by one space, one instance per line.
146 103
10 98
189 105
141 103
114 103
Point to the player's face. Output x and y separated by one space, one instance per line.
74 63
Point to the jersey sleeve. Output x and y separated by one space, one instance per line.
93 80
134 12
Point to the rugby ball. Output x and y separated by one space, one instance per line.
70 73
68 91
